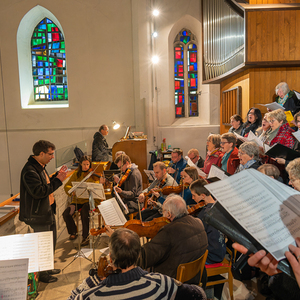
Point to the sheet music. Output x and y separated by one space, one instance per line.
273 106
150 174
83 190
191 164
121 201
242 138
38 247
216 172
296 134
13 279
111 212
262 207
253 138
297 94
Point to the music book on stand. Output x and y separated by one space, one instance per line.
258 212
82 191
112 213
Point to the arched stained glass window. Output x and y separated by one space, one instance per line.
185 75
48 59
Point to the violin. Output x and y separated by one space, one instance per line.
143 229
196 208
104 268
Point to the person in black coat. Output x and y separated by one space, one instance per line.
37 203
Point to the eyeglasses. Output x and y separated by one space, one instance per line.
50 153
241 153
272 121
224 143
193 158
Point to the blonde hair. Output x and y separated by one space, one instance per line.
215 139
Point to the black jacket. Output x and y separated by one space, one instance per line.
34 194
100 150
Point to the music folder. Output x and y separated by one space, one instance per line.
282 151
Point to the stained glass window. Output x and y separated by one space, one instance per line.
48 57
185 75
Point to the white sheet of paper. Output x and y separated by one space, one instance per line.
296 134
252 137
38 247
104 250
273 106
242 138
216 172
121 201
111 212
262 207
191 164
96 188
13 279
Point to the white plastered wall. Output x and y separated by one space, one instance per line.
109 78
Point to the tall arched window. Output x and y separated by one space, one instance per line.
48 59
185 75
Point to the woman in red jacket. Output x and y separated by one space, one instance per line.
230 160
213 152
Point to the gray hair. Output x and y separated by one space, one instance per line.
215 139
278 115
283 86
175 205
251 149
293 168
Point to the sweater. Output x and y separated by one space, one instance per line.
135 284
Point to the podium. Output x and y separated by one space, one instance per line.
136 149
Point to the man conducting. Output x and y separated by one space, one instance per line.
37 204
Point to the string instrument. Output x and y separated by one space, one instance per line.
148 229
124 177
196 208
104 268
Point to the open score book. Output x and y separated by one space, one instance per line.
265 213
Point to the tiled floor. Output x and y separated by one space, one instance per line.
78 270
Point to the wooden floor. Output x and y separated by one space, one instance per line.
78 270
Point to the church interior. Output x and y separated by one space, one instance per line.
177 75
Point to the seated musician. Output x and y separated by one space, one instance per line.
82 203
195 157
130 184
216 240
182 240
163 179
176 165
128 281
101 151
113 166
189 175
230 160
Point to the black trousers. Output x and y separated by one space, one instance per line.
84 213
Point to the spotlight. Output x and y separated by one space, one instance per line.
155 59
155 12
154 34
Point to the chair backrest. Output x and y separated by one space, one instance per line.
187 271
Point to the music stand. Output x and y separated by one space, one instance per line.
82 188
79 253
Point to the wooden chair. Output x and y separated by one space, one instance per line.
187 271
222 268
